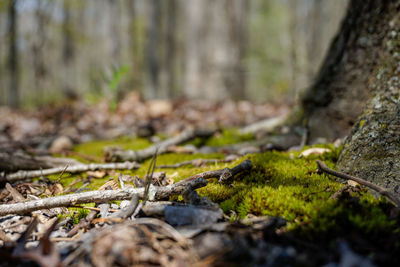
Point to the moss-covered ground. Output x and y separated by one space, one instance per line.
280 184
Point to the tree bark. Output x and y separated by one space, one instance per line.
372 150
341 89
361 77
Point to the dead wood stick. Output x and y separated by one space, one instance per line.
155 193
222 174
15 162
383 191
127 211
139 155
21 175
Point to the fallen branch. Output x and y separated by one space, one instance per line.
162 147
222 174
267 125
14 162
383 191
155 193
22 175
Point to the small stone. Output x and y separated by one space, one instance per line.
192 215
60 144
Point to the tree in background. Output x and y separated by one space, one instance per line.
215 49
68 51
215 34
13 58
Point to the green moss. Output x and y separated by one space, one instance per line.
284 185
280 184
226 137
95 148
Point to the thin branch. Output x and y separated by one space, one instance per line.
222 174
155 193
383 191
139 155
22 175
127 211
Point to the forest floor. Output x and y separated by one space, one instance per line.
180 184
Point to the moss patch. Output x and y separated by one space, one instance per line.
280 184
95 148
225 137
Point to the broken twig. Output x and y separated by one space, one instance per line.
155 193
139 155
21 175
222 174
383 191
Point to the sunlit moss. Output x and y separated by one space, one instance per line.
95 148
280 184
225 137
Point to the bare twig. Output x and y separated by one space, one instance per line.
222 174
267 125
21 175
61 174
129 210
155 193
383 191
139 155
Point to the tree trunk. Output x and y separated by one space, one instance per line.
361 76
152 50
13 54
215 34
170 53
341 88
38 51
68 51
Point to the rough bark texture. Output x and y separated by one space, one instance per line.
341 89
372 151
98 196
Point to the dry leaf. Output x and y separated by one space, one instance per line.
110 184
314 151
353 183
97 174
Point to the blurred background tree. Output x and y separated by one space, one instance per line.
264 50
